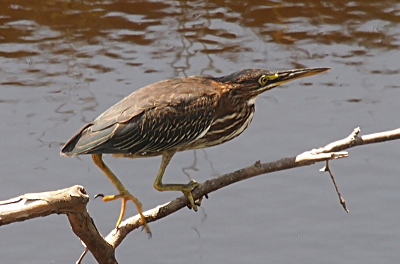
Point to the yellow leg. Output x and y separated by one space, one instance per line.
185 188
123 192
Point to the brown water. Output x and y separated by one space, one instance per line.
64 62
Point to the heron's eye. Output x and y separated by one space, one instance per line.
265 78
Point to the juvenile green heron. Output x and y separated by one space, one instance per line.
175 115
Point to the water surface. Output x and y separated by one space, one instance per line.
65 62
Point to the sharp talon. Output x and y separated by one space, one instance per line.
150 234
99 195
206 195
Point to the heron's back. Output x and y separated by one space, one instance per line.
158 117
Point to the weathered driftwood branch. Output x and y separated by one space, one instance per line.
72 201
31 205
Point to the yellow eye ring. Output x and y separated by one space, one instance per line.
263 79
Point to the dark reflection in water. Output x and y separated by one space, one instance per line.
64 62
67 32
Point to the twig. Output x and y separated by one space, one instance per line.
79 261
341 199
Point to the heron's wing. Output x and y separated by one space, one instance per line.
157 117
166 127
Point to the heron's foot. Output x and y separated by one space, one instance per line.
199 201
187 191
126 196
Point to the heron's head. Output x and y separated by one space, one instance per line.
251 82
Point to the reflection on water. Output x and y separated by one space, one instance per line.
63 38
64 62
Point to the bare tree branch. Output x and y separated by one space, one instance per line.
32 205
333 150
72 201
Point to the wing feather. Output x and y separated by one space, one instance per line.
158 117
